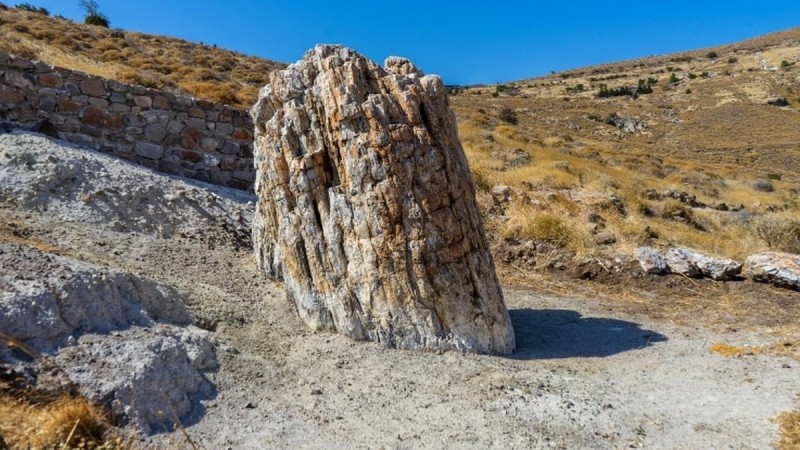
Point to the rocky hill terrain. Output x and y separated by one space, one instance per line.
147 296
578 174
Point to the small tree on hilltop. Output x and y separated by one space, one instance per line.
93 14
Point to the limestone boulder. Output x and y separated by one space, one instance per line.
366 207
651 260
779 269
694 264
687 262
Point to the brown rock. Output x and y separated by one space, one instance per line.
93 87
23 64
52 80
161 102
143 101
99 117
204 104
11 95
241 134
227 163
367 209
188 155
197 113
190 138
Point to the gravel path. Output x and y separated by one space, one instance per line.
587 374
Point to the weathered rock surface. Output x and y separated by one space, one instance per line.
780 269
651 260
693 264
367 209
687 262
122 340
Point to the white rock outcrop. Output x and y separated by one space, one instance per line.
780 269
124 341
694 264
687 262
367 209
651 260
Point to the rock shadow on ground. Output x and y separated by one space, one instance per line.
559 333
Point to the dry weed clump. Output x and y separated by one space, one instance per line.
779 231
789 431
65 423
784 349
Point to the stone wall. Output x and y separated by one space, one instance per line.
166 132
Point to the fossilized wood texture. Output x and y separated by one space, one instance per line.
367 208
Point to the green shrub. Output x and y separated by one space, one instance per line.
93 15
774 176
733 60
642 87
31 8
712 55
508 115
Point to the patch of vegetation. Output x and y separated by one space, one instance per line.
789 424
152 61
578 88
508 115
643 87
733 60
778 232
712 55
549 228
681 59
33 9
763 186
93 16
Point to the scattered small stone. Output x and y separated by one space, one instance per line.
605 238
780 101
316 392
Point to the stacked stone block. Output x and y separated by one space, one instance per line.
170 133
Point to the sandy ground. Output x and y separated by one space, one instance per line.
588 373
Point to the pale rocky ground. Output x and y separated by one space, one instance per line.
586 374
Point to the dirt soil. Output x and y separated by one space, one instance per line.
599 364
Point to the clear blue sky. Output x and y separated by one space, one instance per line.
465 42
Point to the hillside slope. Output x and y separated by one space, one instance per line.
153 61
697 157
681 149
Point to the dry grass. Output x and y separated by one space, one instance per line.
789 426
153 61
714 144
65 423
781 349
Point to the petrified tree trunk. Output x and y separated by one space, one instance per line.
367 209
